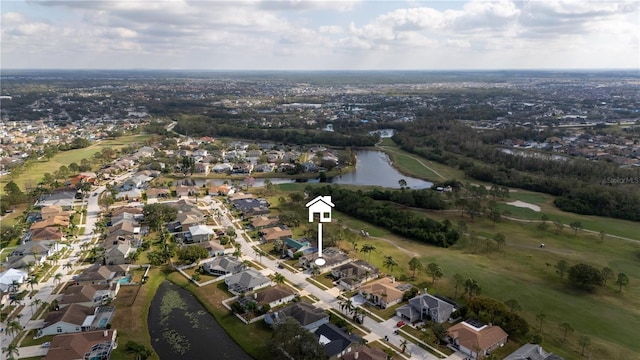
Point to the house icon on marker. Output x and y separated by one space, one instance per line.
320 205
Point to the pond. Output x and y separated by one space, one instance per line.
372 168
181 328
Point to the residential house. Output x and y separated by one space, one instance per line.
297 245
223 266
272 296
59 221
158 193
131 194
101 274
426 307
43 248
136 211
264 168
8 277
271 234
50 233
532 352
365 353
94 345
186 191
336 341
65 199
118 254
246 281
260 222
200 233
307 315
51 211
76 318
187 219
384 292
353 274
223 189
202 168
122 229
222 168
89 295
475 338
332 256
214 248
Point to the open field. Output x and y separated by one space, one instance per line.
35 170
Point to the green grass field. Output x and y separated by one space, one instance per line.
35 170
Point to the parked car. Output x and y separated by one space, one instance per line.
46 344
401 323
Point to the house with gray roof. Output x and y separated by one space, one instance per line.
223 266
336 341
246 281
426 307
532 352
307 315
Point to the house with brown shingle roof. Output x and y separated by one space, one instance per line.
101 274
80 346
57 221
127 209
274 233
71 319
365 353
384 292
50 233
475 338
88 295
155 193
51 211
273 296
261 222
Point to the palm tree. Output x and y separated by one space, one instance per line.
57 278
414 265
389 263
541 317
566 328
279 278
622 280
315 270
37 302
584 342
260 254
367 249
435 272
457 281
69 265
13 327
513 305
471 287
139 350
15 286
12 351
403 345
32 281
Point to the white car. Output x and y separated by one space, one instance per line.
46 344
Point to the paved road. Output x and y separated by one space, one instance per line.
326 299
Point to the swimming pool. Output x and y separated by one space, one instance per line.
125 280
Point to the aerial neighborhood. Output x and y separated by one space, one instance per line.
185 219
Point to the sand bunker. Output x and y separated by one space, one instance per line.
523 204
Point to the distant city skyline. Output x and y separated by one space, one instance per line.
320 35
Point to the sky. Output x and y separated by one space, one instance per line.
319 35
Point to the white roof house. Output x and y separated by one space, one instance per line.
7 277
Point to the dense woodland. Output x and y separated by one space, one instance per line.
581 186
387 214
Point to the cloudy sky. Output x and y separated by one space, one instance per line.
320 35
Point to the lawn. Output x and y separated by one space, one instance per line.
524 272
35 170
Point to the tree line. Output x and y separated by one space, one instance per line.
580 185
204 126
389 216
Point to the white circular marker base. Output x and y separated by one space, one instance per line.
320 261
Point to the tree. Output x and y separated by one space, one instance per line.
458 280
584 342
622 280
559 226
367 249
562 267
191 254
389 263
566 329
414 265
513 305
500 239
139 350
435 272
13 327
402 183
471 288
12 351
58 277
540 317
403 345
576 225
32 281
289 340
315 270
156 215
439 332
584 276
603 235
607 273
279 278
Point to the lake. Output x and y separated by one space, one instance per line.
181 328
372 168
